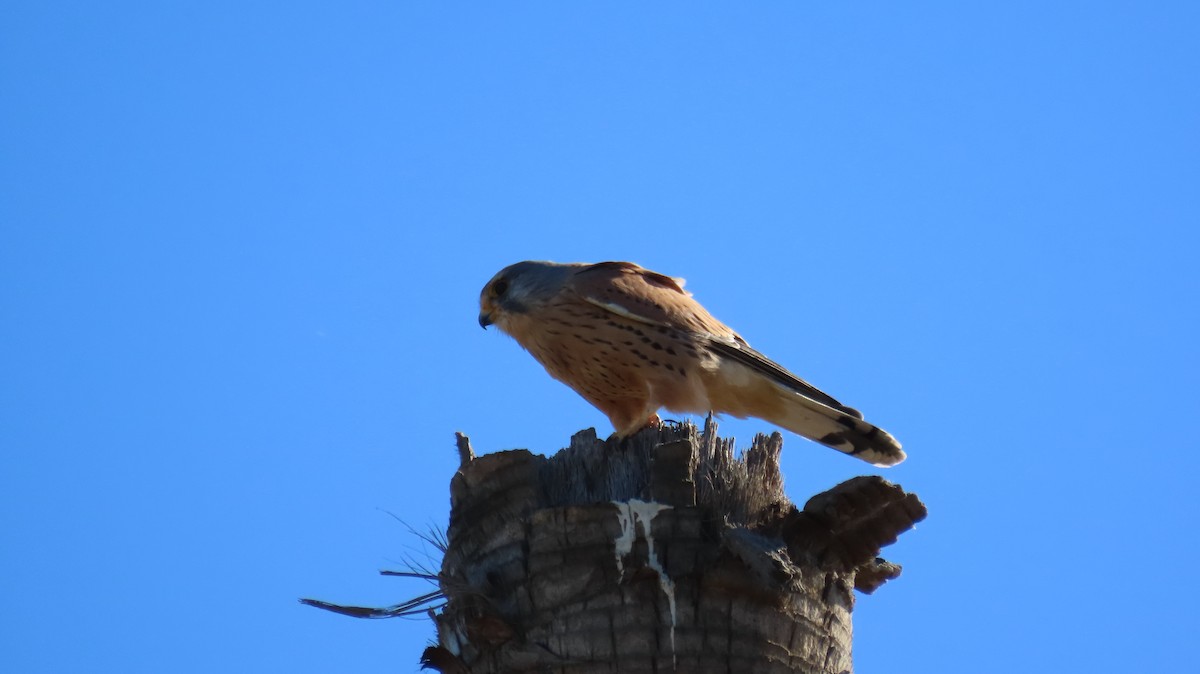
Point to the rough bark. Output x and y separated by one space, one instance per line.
659 553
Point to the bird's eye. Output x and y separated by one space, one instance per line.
500 287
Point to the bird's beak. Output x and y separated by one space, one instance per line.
485 319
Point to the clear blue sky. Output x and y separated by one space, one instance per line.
242 245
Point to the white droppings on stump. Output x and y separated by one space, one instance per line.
630 514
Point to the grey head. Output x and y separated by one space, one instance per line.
522 286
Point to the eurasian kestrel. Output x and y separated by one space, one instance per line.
631 341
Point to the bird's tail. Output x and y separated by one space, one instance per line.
841 428
737 387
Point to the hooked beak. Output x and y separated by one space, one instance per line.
485 319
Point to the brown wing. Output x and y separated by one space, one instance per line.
645 296
648 297
741 352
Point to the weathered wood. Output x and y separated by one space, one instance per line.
659 553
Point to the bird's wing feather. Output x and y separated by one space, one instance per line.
638 294
742 353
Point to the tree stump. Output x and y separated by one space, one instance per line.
659 553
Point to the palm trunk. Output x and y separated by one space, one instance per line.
661 553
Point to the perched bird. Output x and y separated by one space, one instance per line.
632 341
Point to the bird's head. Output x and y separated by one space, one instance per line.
520 288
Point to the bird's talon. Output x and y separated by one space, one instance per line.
653 422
